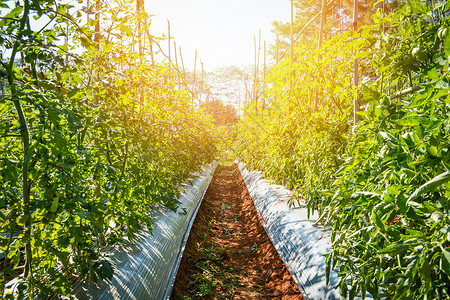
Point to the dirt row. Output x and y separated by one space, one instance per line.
228 254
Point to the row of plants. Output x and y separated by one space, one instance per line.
381 184
306 118
93 136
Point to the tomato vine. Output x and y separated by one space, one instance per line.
383 184
93 135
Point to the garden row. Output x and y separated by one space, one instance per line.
92 137
383 183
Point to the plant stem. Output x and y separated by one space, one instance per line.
25 136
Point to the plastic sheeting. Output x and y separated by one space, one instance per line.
299 241
147 268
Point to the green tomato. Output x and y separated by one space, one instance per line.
385 101
419 53
442 33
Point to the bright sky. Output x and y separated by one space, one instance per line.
222 31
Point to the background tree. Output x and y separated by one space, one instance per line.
223 114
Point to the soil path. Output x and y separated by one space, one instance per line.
228 254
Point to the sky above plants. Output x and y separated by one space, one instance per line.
222 31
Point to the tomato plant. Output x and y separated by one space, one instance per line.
383 184
290 141
92 137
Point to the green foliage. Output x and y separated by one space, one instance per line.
384 186
338 18
389 204
89 142
291 142
223 114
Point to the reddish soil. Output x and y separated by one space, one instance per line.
228 254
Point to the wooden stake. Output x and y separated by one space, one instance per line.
319 44
355 66
88 11
139 8
150 40
182 62
168 38
239 102
276 56
203 74
292 30
255 71
143 34
195 65
257 75
97 25
264 81
175 53
151 50
247 92
322 17
176 61
195 62
292 82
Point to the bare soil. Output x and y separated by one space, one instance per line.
228 254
